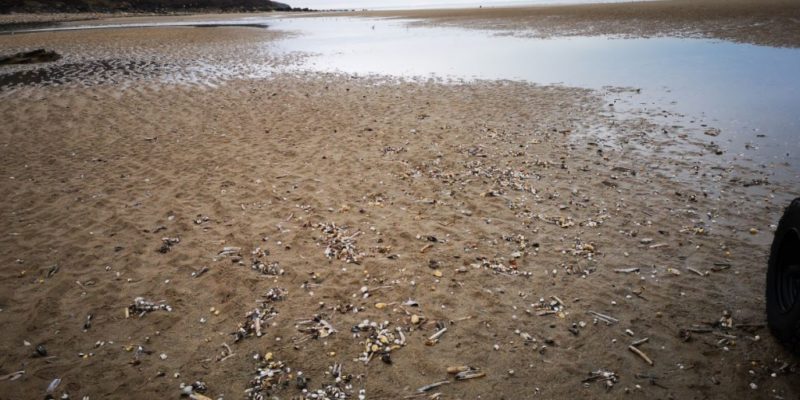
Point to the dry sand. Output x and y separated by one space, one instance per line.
441 177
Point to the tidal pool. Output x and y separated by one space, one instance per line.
751 93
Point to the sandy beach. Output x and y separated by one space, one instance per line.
570 251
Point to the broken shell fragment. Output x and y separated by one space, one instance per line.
470 374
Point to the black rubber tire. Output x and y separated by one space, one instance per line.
783 288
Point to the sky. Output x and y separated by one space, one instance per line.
410 4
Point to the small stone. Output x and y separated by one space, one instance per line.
437 274
415 319
163 356
380 306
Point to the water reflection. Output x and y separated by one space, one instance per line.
752 93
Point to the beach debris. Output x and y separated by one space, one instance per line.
690 269
726 321
274 295
259 264
227 353
338 244
553 307
381 341
602 375
411 303
609 320
270 375
138 352
560 221
253 323
316 327
433 339
52 271
527 337
167 243
141 306
12 376
720 266
627 270
51 388
498 267
641 354
340 388
229 251
87 323
195 390
272 269
470 374
432 386
201 271
465 372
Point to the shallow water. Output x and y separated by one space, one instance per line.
751 93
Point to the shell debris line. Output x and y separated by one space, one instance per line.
260 263
381 340
316 327
141 307
339 244
255 322
271 376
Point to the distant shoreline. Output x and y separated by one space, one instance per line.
144 6
767 22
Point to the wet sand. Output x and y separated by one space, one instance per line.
769 22
507 212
